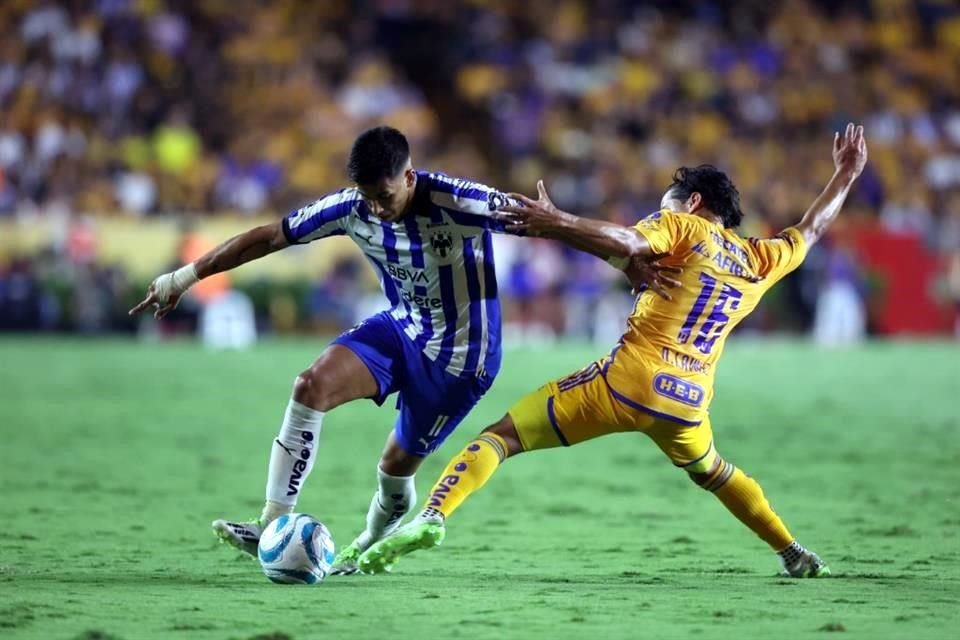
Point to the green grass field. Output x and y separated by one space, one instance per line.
116 456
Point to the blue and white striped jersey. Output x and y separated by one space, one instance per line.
435 264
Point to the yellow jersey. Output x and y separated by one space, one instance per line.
665 362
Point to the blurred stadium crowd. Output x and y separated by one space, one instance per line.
212 107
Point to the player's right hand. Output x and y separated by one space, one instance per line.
652 275
534 218
165 291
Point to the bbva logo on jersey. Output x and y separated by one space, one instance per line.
441 242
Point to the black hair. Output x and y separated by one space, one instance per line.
381 152
717 190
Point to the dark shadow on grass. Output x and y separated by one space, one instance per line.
428 581
935 581
252 583
553 581
92 579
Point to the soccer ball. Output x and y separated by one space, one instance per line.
296 549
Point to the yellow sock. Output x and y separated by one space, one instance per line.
467 472
744 498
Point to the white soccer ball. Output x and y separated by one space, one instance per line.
296 549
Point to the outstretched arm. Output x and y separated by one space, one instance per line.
165 291
241 249
623 247
542 219
849 158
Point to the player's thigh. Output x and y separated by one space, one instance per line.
567 411
360 363
432 405
689 447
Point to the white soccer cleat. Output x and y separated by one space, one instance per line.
244 536
807 565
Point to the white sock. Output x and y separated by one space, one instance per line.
394 498
291 459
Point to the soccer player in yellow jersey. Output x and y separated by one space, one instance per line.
658 379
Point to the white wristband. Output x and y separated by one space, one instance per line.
185 277
174 284
618 263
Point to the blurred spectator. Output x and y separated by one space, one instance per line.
23 302
144 108
185 318
185 106
840 318
332 301
953 289
193 245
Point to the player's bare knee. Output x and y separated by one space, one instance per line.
700 478
506 430
314 389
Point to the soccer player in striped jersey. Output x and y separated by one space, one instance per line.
659 379
427 236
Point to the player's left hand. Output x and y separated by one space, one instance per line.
850 151
536 218
652 275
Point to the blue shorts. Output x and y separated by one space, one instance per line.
431 401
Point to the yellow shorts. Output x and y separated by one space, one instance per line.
581 407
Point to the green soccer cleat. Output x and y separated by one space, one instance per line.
808 565
346 562
244 536
381 522
418 534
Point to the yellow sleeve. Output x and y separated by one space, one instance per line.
664 230
780 254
